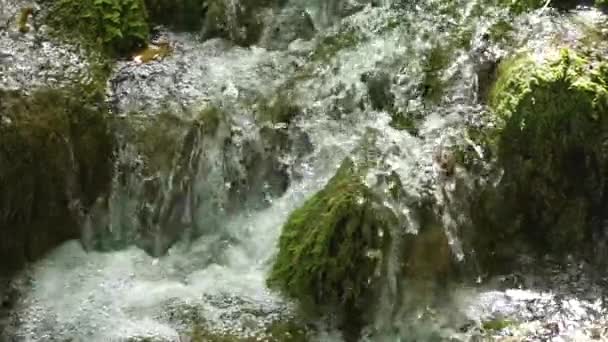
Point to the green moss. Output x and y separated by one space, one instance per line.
24 15
55 148
550 140
433 85
501 31
497 324
331 248
276 332
278 109
161 138
404 121
114 27
210 119
331 44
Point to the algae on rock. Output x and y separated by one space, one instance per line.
331 248
55 162
551 143
279 331
114 27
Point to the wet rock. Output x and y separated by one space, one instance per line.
240 22
339 239
379 90
194 73
30 61
290 24
553 190
56 160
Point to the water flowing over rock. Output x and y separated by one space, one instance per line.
298 171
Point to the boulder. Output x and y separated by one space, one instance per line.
55 162
550 140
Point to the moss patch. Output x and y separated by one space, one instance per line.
497 324
331 248
55 149
276 332
114 27
277 109
551 142
330 45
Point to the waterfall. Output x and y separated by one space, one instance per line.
202 185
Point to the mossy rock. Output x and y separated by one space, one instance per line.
276 332
242 22
551 142
331 249
55 156
114 27
278 109
331 44
182 15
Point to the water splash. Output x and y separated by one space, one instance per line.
217 276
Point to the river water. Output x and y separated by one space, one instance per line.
215 277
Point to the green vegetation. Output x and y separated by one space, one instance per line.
277 109
497 324
161 138
331 248
404 121
55 148
276 332
330 45
551 142
115 27
243 24
433 84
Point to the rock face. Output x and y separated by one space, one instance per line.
239 21
55 160
290 24
551 143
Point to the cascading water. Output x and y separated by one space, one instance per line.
210 221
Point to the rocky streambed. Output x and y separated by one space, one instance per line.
303 171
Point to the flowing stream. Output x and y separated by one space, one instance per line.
211 271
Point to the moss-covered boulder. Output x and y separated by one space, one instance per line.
115 27
550 141
331 249
55 161
241 22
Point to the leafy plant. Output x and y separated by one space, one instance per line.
113 26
